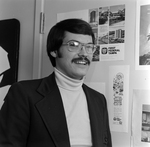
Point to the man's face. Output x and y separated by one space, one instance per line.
74 64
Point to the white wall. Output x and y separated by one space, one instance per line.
23 10
100 71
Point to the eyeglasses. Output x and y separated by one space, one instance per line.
76 46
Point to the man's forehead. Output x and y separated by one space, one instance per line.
78 37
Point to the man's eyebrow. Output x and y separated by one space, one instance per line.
80 42
73 40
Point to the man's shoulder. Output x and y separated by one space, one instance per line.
32 83
95 95
93 91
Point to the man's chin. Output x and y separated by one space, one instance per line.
80 75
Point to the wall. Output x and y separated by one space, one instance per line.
138 79
23 10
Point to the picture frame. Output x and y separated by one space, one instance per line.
142 35
140 126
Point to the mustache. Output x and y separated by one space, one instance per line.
81 59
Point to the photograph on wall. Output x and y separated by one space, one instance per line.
9 54
145 128
143 34
118 98
141 118
93 21
93 17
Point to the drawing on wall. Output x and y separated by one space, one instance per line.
108 25
118 98
9 54
145 128
118 88
143 35
141 118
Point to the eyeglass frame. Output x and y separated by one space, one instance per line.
80 46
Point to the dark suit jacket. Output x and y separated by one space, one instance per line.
33 116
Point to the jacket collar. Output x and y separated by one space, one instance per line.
52 111
52 105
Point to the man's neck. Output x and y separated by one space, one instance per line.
67 82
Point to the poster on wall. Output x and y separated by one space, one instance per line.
111 32
9 54
118 98
108 25
141 118
142 51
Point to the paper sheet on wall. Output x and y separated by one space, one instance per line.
112 52
118 98
141 118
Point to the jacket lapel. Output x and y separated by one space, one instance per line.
52 111
95 114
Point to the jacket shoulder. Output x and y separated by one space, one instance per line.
28 84
33 83
92 90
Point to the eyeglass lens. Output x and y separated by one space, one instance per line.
73 45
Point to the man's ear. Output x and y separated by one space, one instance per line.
54 54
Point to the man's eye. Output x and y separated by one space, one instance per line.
74 44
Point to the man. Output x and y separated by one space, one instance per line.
59 110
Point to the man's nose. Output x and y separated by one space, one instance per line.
83 51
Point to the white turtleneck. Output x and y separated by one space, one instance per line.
76 111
